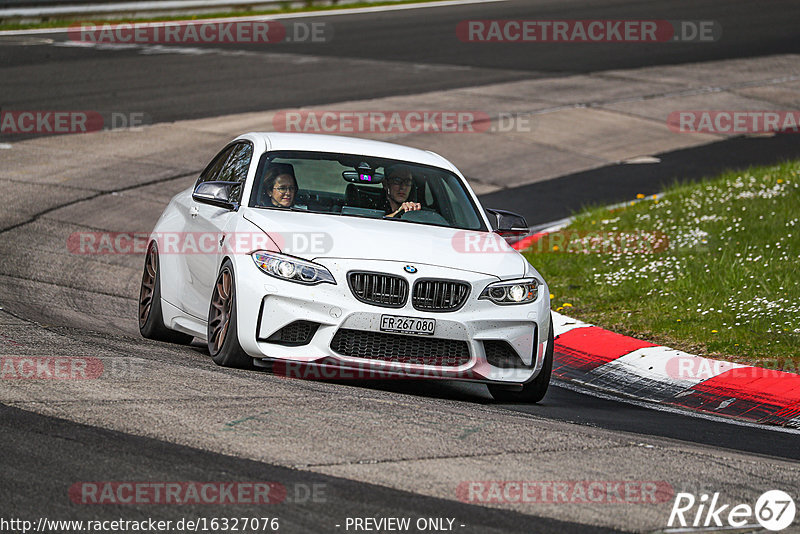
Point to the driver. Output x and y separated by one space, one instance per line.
397 186
280 185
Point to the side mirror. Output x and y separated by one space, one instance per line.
508 224
220 194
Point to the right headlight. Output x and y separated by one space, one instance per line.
511 291
292 269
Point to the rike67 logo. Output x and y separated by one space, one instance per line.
774 510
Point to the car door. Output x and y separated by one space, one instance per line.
206 228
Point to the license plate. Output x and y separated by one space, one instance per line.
408 325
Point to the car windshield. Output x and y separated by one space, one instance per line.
363 186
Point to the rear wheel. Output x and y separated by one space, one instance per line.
151 320
535 390
223 340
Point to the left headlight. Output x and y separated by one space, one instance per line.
512 291
292 269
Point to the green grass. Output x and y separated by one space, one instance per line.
721 277
64 23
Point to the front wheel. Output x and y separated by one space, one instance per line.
535 390
151 319
223 340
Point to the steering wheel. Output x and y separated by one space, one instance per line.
424 215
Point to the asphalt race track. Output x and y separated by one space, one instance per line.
372 448
141 458
408 52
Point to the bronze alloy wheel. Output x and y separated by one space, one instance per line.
220 317
148 286
151 319
222 336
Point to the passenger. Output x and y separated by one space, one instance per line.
398 185
280 185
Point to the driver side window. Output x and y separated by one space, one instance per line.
237 165
212 171
230 165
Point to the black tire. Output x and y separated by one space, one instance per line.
223 341
151 319
535 390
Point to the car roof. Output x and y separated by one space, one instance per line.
348 145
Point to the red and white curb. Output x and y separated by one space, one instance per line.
602 360
605 361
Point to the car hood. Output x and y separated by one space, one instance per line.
314 236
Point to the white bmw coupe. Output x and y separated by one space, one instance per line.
298 251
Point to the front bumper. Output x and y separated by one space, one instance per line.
265 305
